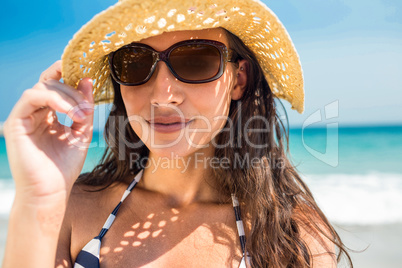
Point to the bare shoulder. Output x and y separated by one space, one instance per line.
91 205
87 209
318 237
85 197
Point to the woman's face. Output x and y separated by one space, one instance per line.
202 108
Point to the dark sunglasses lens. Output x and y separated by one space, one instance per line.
196 62
132 64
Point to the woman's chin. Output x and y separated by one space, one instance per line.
172 152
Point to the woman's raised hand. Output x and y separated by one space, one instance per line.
45 156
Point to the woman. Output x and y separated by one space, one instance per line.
193 133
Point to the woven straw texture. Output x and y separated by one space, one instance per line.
132 20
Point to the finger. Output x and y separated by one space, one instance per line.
55 87
85 87
69 94
73 93
33 99
53 72
87 90
39 119
43 116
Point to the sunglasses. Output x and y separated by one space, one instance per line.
191 61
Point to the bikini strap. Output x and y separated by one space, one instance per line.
112 215
240 230
239 223
89 255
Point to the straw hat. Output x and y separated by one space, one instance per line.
132 20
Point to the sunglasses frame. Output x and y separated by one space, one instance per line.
226 55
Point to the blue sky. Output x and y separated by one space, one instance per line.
351 52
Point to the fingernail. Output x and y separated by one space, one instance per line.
87 107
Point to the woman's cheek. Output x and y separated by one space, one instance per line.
139 129
219 119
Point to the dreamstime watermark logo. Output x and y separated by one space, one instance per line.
331 154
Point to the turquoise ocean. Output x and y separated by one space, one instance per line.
355 173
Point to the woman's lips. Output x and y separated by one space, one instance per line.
168 125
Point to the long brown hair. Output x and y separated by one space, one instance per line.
273 197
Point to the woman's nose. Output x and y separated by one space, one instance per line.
166 88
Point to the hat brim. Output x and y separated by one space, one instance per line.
133 20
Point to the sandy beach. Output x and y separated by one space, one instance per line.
383 243
3 235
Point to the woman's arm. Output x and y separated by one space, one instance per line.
63 253
45 158
33 233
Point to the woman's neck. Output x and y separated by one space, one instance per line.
183 180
